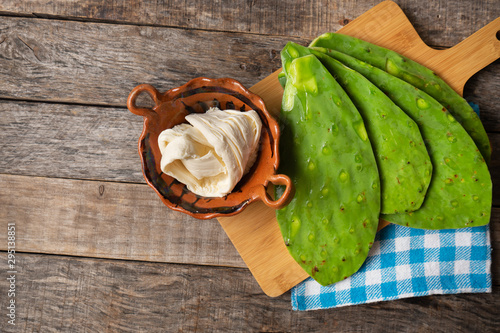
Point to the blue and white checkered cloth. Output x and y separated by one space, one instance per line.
405 262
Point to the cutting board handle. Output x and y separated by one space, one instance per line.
469 56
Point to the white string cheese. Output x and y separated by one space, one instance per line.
213 151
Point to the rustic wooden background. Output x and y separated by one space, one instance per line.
96 249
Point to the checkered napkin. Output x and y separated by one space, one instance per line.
405 262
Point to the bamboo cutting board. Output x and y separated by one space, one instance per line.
255 232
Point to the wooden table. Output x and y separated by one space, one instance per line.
96 250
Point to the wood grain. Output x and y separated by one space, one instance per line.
40 59
107 220
443 23
67 294
92 63
478 90
70 141
495 167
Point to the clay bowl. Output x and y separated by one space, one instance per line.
198 95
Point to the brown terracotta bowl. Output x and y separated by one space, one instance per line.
198 95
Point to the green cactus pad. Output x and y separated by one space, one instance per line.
415 74
460 193
404 165
403 162
331 222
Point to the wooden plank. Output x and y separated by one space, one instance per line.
421 314
70 141
119 221
61 294
40 59
495 166
96 63
107 220
479 90
442 23
65 294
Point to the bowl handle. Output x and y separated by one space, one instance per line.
285 198
132 97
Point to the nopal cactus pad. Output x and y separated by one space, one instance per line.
331 222
403 162
415 74
460 193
